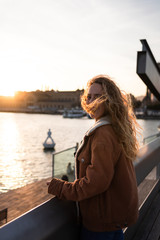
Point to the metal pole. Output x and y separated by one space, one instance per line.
158 171
53 165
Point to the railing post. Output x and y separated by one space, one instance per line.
53 165
158 171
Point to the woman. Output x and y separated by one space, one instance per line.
105 185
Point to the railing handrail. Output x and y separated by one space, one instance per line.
147 159
154 135
55 153
53 219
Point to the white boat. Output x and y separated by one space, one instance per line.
49 143
74 113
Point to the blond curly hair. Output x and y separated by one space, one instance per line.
119 107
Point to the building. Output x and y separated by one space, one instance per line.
39 101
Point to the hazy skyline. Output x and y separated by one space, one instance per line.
62 44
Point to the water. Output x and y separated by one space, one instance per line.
22 159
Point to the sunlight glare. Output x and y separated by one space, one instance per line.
8 91
12 169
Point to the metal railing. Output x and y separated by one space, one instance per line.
63 164
151 138
148 158
53 219
56 219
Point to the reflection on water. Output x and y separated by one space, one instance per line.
22 159
11 169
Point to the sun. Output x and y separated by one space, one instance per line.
7 93
8 90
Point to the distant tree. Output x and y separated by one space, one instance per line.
135 103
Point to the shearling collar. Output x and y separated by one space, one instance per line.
102 121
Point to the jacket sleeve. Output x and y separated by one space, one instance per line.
98 177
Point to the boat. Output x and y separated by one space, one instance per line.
49 143
74 113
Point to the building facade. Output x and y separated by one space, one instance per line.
39 101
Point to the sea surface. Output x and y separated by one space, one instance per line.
22 158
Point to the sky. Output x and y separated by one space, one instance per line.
61 44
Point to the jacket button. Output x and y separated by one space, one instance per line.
82 160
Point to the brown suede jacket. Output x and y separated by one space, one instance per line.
106 186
